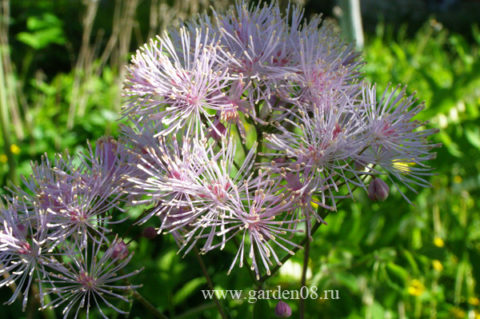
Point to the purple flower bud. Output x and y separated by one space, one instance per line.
283 310
149 232
119 250
217 131
378 190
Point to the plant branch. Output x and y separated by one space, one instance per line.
296 248
154 311
149 306
323 213
306 252
209 282
4 122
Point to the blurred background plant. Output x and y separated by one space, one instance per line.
62 65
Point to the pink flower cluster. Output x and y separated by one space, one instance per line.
55 231
249 123
245 127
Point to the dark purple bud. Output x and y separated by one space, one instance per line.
149 232
217 131
378 190
119 250
283 310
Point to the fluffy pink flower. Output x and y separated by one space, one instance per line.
178 84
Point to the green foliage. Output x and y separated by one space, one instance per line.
43 31
392 258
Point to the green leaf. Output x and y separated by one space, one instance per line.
188 289
45 30
411 260
47 20
473 136
397 273
349 280
451 146
377 311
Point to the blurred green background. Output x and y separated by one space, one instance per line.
62 64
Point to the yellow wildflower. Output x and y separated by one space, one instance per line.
3 158
474 301
15 149
437 265
416 288
437 241
458 312
457 179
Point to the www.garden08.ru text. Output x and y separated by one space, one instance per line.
254 295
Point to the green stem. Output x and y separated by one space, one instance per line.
209 283
5 123
323 214
351 22
244 147
154 311
305 268
295 249
48 313
149 306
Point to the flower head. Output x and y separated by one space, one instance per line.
178 84
396 142
163 175
93 278
24 249
318 147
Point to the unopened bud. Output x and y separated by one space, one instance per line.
378 190
217 130
149 232
120 250
283 310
